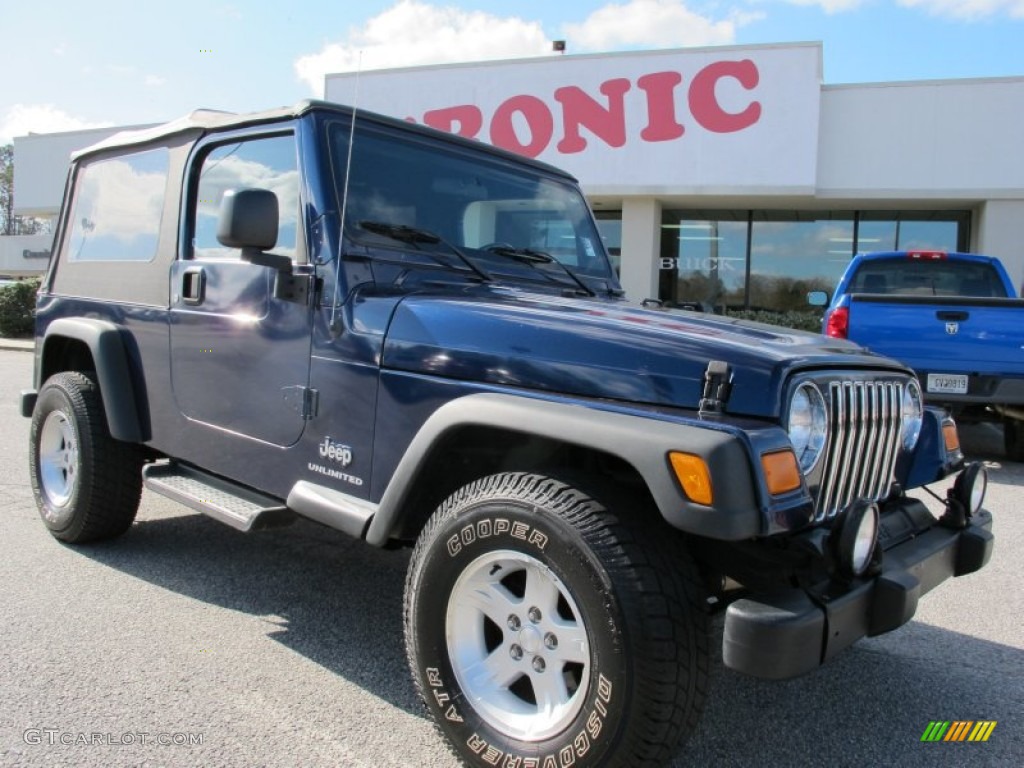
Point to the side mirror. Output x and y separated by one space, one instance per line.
817 299
248 220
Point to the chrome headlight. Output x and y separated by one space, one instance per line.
911 415
807 425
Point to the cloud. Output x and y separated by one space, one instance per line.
22 119
833 6
966 10
652 23
413 33
969 9
154 81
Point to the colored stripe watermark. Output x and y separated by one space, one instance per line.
959 730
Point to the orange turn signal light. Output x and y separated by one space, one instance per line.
950 437
693 475
781 472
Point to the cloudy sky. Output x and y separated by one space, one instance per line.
67 65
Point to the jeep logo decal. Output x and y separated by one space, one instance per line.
336 452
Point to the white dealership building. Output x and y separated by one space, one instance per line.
729 175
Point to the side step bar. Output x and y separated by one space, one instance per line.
234 505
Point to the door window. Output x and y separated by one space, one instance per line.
263 163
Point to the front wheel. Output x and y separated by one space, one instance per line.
541 629
87 485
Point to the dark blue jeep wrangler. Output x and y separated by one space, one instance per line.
419 340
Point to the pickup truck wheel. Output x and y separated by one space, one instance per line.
540 625
87 485
1013 439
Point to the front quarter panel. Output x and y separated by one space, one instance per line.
643 439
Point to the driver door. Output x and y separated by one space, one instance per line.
239 355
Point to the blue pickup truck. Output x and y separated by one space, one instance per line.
952 317
419 340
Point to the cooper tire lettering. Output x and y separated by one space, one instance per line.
489 528
551 579
476 744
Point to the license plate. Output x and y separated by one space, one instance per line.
947 384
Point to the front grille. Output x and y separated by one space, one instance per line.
863 440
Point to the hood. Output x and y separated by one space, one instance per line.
605 348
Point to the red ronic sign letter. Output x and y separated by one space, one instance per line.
538 119
661 106
467 117
579 109
704 104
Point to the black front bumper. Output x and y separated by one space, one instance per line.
792 632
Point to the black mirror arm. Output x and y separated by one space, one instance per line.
260 258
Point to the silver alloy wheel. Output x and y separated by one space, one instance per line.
518 645
58 464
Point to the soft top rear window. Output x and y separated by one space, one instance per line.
119 202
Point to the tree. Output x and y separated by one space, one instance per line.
7 189
9 223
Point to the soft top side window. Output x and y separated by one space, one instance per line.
265 163
119 202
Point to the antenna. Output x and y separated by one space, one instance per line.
335 328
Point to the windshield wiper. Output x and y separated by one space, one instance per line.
534 257
416 237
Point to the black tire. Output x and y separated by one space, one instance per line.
627 694
1013 439
87 485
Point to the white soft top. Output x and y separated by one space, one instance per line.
202 120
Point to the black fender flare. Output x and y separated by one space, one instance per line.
642 442
113 372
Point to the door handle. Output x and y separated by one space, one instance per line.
193 286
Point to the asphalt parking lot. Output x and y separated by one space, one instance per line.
187 643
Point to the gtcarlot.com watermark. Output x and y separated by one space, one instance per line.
52 737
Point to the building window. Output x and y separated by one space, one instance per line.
704 259
794 252
912 230
609 226
767 261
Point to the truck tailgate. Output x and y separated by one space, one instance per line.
942 333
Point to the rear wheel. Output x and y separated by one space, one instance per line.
539 625
87 485
1013 438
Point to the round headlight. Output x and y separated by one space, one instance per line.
807 425
858 534
970 487
911 414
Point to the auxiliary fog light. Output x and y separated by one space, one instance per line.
858 534
970 487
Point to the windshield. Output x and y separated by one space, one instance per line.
476 203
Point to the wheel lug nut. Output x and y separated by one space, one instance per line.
515 652
550 641
534 614
538 664
514 623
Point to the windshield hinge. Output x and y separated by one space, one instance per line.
717 387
